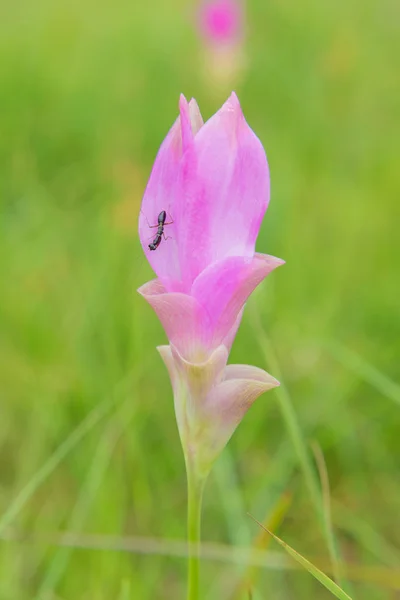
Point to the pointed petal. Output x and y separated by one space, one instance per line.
250 373
225 181
228 402
186 123
160 192
158 197
223 288
195 116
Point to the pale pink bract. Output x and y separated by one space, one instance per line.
212 179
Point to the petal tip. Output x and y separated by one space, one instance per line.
185 121
233 104
163 349
274 382
182 100
183 107
269 382
196 119
273 261
151 288
233 99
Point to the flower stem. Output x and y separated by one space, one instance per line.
195 496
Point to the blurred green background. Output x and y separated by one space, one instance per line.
88 91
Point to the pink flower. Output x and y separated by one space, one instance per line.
212 180
221 21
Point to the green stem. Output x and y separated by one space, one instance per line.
195 486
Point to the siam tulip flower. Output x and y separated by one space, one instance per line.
212 181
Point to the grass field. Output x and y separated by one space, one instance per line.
88 439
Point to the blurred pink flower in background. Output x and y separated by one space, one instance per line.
212 180
221 25
221 21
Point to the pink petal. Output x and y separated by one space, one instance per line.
160 193
248 372
198 323
224 192
191 120
229 401
195 116
223 288
183 318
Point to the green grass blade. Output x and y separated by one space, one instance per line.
312 569
125 590
225 475
53 461
290 419
298 441
98 467
94 417
366 536
326 510
366 371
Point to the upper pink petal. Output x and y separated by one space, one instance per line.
224 191
223 288
160 193
196 120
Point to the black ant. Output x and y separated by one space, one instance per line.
160 230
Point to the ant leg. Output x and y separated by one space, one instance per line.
170 222
151 226
167 238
